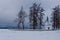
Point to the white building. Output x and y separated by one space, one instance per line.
48 25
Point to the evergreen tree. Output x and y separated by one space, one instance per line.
56 17
41 10
36 15
33 15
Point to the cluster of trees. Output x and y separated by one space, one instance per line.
36 17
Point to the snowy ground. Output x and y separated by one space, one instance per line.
6 34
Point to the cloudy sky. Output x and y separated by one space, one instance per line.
10 8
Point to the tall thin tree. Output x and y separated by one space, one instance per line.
21 17
33 15
56 17
41 10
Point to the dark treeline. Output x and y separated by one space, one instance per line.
36 14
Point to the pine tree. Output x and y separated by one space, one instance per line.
36 15
41 10
33 15
56 17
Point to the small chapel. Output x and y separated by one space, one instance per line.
48 24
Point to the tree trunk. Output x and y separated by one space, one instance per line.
23 25
18 25
33 27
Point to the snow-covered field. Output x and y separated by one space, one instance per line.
6 34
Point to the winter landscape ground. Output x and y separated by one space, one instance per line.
6 34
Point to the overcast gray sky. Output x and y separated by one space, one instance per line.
10 8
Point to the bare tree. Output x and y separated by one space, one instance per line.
21 18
